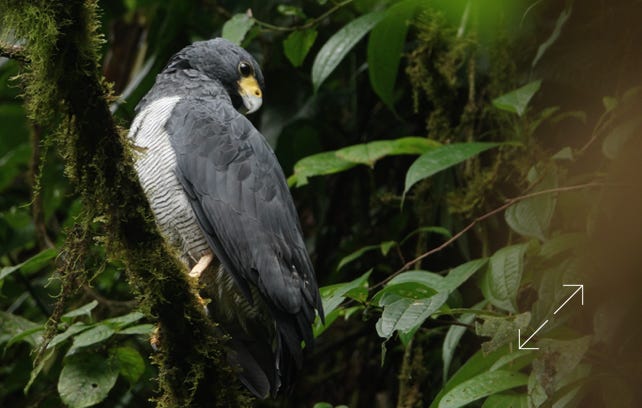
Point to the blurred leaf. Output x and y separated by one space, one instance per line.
130 363
31 336
12 325
441 158
124 320
33 264
138 329
517 100
504 275
94 335
86 379
369 153
506 401
617 138
237 27
531 217
483 385
559 24
317 165
448 347
71 330
384 247
297 45
501 330
609 103
405 314
12 163
338 46
289 10
385 47
84 310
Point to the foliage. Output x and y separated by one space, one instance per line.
454 165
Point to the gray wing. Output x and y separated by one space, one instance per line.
243 204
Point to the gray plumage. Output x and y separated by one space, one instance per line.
214 184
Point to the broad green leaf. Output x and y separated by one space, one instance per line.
559 24
409 290
124 320
404 315
433 229
460 274
369 153
454 334
13 325
237 27
322 405
483 385
317 165
429 279
504 276
517 101
515 360
501 330
84 310
385 47
291 11
333 295
506 401
94 335
71 330
138 329
37 369
356 255
531 217
130 363
86 379
441 158
297 45
338 46
31 336
32 264
478 363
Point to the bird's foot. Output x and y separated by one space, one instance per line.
201 265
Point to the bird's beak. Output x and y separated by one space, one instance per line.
251 93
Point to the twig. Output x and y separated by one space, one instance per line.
482 218
309 24
14 52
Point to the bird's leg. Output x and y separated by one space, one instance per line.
201 265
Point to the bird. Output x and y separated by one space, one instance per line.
220 198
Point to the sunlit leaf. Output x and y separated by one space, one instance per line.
297 45
441 158
237 27
338 46
86 379
369 153
517 101
385 47
506 401
483 385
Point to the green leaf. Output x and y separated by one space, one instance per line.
454 334
483 385
404 314
291 11
124 320
297 45
506 401
86 379
559 24
425 278
516 101
84 310
317 165
94 335
13 325
333 295
33 264
369 153
531 217
504 276
71 330
356 255
31 336
441 158
385 47
138 329
338 46
617 138
501 330
408 290
237 27
457 276
130 363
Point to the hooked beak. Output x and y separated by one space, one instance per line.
251 93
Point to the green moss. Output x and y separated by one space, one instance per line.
65 93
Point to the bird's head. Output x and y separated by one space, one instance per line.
229 64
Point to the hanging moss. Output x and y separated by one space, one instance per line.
65 92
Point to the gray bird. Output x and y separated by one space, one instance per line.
218 193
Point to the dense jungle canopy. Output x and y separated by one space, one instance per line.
466 173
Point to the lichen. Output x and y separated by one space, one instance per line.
66 95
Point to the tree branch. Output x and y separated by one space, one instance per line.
14 52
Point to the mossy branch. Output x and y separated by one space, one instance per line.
64 90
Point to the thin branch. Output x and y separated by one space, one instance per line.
481 218
309 24
14 52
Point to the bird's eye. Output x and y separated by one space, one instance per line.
245 69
